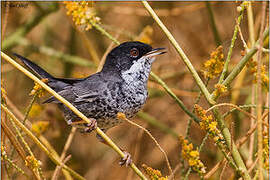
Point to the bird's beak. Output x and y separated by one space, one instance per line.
155 52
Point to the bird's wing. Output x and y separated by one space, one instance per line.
86 90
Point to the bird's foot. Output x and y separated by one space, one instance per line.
90 126
126 160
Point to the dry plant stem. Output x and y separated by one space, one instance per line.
14 141
17 145
63 155
26 115
259 96
58 168
180 52
36 172
71 107
39 144
242 38
5 157
214 169
41 138
232 105
227 61
155 141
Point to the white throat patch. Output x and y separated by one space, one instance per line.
139 70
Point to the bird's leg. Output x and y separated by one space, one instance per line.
90 126
87 127
126 160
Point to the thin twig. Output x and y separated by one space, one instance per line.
63 155
214 169
232 105
58 168
259 96
5 157
227 61
155 141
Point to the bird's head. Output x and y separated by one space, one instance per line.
131 58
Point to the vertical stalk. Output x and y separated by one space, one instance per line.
227 61
259 96
253 93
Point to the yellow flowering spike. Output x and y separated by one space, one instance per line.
209 124
146 35
220 89
153 173
83 13
38 89
32 162
192 156
40 127
214 66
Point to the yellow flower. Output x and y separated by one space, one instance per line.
220 89
214 66
209 124
83 13
192 156
32 162
153 173
194 153
40 127
38 89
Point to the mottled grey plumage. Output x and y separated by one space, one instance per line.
121 86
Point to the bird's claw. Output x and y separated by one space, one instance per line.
90 126
126 160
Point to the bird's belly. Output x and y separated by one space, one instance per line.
105 109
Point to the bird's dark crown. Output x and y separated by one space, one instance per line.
123 56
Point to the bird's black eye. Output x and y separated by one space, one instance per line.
134 52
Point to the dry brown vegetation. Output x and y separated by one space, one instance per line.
44 33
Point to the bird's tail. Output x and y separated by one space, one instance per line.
38 70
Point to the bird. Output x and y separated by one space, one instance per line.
120 87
